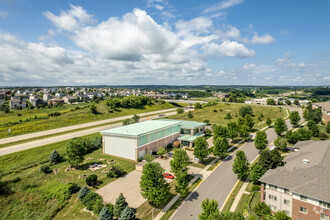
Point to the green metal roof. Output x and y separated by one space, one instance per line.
190 138
140 128
186 124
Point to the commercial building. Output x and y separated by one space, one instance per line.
301 188
136 140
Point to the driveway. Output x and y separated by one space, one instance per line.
129 185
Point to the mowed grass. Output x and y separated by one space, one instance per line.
242 203
23 203
216 114
28 121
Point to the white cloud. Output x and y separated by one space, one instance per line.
72 19
198 25
228 48
264 39
3 14
258 69
223 5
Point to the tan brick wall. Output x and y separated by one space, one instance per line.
262 192
313 212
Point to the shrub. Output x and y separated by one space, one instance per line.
190 115
115 172
323 136
73 188
83 192
105 214
90 200
139 159
214 110
52 114
176 144
127 214
55 158
149 157
45 169
91 180
110 207
179 110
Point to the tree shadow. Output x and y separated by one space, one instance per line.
193 196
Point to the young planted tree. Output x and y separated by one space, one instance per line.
180 161
245 110
276 158
260 141
201 148
181 183
262 209
256 173
190 115
120 205
91 180
294 118
209 208
241 165
268 122
249 121
55 158
232 130
281 143
280 126
136 118
296 102
179 110
127 214
161 151
265 159
75 151
219 131
105 214
312 126
244 131
220 147
153 185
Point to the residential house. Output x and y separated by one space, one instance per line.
82 98
157 95
69 99
301 188
2 101
36 101
17 104
325 106
55 101
21 97
221 95
59 95
46 97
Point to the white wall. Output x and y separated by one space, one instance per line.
120 146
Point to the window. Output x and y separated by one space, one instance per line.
303 210
287 191
272 197
286 212
273 208
153 136
324 217
143 140
273 187
175 128
161 134
324 205
286 202
168 131
303 198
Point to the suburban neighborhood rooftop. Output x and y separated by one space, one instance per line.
140 128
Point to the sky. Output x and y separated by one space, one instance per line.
158 42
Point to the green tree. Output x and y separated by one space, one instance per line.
228 116
208 209
270 102
153 185
256 173
220 147
312 126
245 110
265 159
305 134
281 143
93 109
244 131
179 110
75 151
292 137
327 129
296 102
280 126
288 102
127 214
181 183
276 158
128 121
120 205
249 121
190 115
240 121
161 151
232 130
55 158
136 118
180 161
241 165
268 122
260 141
219 131
91 180
280 215
93 202
149 158
201 149
294 118
105 214
262 209
83 192
198 106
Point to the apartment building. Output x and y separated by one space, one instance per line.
301 188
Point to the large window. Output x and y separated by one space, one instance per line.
152 136
324 217
272 197
185 131
175 128
143 140
168 131
303 210
161 134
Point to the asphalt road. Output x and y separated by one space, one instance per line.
220 183
50 140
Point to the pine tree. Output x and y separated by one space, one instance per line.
83 192
55 158
127 214
105 214
120 205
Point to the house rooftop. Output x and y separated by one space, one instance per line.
306 172
140 128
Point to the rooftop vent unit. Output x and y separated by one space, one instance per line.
305 161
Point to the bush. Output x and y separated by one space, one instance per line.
127 214
115 172
91 180
91 200
214 110
149 157
139 159
179 110
73 188
45 169
83 192
176 144
52 114
323 136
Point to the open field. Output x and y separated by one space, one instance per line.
216 114
28 121
28 198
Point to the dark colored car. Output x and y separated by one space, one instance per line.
168 176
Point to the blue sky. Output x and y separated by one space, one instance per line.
226 42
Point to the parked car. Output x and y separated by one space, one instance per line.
169 154
195 158
168 176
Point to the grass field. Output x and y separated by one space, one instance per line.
216 114
27 120
26 198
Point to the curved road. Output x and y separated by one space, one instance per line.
221 181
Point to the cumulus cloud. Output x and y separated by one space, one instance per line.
228 48
264 39
72 19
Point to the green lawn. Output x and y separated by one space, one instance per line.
222 109
26 199
27 120
242 204
232 197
